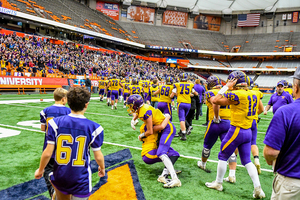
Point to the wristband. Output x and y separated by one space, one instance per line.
223 90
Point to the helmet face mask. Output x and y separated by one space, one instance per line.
169 80
240 76
134 102
213 81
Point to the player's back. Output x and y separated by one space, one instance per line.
147 110
153 89
241 113
184 90
224 111
126 87
165 91
135 89
257 95
115 84
73 136
146 85
102 84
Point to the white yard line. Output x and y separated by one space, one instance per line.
122 145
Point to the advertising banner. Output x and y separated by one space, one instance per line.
295 17
207 22
34 81
175 18
110 9
140 14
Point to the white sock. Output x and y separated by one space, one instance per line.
231 172
112 106
116 104
203 163
252 171
167 162
165 172
184 132
221 170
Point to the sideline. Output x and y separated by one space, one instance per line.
131 147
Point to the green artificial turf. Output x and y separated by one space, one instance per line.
20 154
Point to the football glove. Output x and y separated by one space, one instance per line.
258 120
141 136
133 123
217 120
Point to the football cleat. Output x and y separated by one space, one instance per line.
214 185
230 179
199 163
183 137
115 107
173 183
163 179
124 106
258 193
176 171
189 130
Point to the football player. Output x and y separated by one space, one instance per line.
218 126
289 89
154 96
56 110
70 138
146 86
108 92
150 148
164 104
102 85
126 90
152 117
259 108
135 88
114 84
239 134
183 90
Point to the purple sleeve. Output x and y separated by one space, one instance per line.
98 139
276 132
209 94
232 96
270 101
147 114
51 132
43 117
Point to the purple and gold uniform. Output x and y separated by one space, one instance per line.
146 86
51 112
102 85
152 145
115 85
183 91
239 134
135 89
108 89
215 130
258 95
126 90
164 104
73 135
120 88
279 100
167 134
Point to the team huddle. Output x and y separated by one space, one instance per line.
233 112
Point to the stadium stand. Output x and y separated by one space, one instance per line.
203 62
280 64
244 64
271 80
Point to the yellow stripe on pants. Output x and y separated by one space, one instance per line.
235 134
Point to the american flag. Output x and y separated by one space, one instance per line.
248 20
